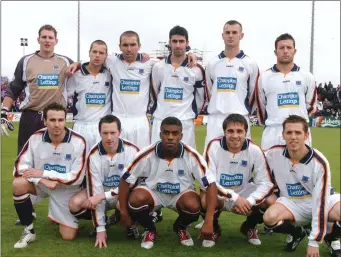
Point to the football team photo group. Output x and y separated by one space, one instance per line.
131 151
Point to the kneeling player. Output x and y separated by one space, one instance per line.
104 167
303 177
170 167
51 164
233 159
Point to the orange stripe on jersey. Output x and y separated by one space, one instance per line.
312 101
152 91
253 96
91 188
322 218
207 158
130 144
142 156
19 158
260 111
197 160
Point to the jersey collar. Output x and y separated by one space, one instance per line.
138 57
223 144
85 71
275 69
160 153
184 63
306 159
241 55
120 147
66 139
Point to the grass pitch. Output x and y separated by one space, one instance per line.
232 242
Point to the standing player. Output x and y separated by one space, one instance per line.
231 79
132 89
179 89
104 167
41 76
50 165
303 177
170 168
236 160
90 88
284 90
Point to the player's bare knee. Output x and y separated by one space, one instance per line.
138 198
270 217
68 234
75 204
189 202
20 186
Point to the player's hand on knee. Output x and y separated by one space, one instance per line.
242 206
5 123
313 251
72 68
126 220
50 184
101 239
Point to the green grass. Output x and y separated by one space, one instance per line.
232 242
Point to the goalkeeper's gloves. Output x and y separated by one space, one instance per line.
5 123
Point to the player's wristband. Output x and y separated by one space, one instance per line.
108 195
313 243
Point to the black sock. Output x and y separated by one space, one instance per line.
286 227
256 217
142 216
216 226
335 234
184 219
24 208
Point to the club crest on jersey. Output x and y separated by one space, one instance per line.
55 67
298 83
107 84
241 69
186 79
305 179
68 157
181 172
243 163
141 71
120 166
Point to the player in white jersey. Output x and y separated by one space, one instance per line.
90 89
303 177
170 167
179 89
236 161
104 166
231 78
132 89
51 164
284 90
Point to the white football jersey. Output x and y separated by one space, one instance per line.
233 171
180 91
91 95
280 95
63 163
132 89
231 84
104 170
166 177
307 182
